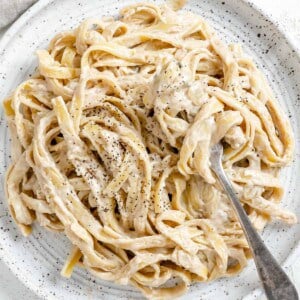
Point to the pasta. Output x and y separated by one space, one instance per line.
111 142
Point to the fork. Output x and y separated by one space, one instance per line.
275 281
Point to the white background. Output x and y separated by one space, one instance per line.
287 13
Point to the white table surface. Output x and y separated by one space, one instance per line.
287 12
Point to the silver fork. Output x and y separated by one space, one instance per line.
275 282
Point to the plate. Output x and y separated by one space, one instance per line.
38 259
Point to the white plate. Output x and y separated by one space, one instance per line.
37 260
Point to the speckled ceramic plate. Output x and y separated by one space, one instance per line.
37 260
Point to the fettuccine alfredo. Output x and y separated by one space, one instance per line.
111 142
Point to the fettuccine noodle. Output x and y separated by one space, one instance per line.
111 142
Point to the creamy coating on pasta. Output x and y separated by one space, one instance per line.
111 142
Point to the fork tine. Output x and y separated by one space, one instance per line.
216 155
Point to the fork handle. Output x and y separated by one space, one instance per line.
276 283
